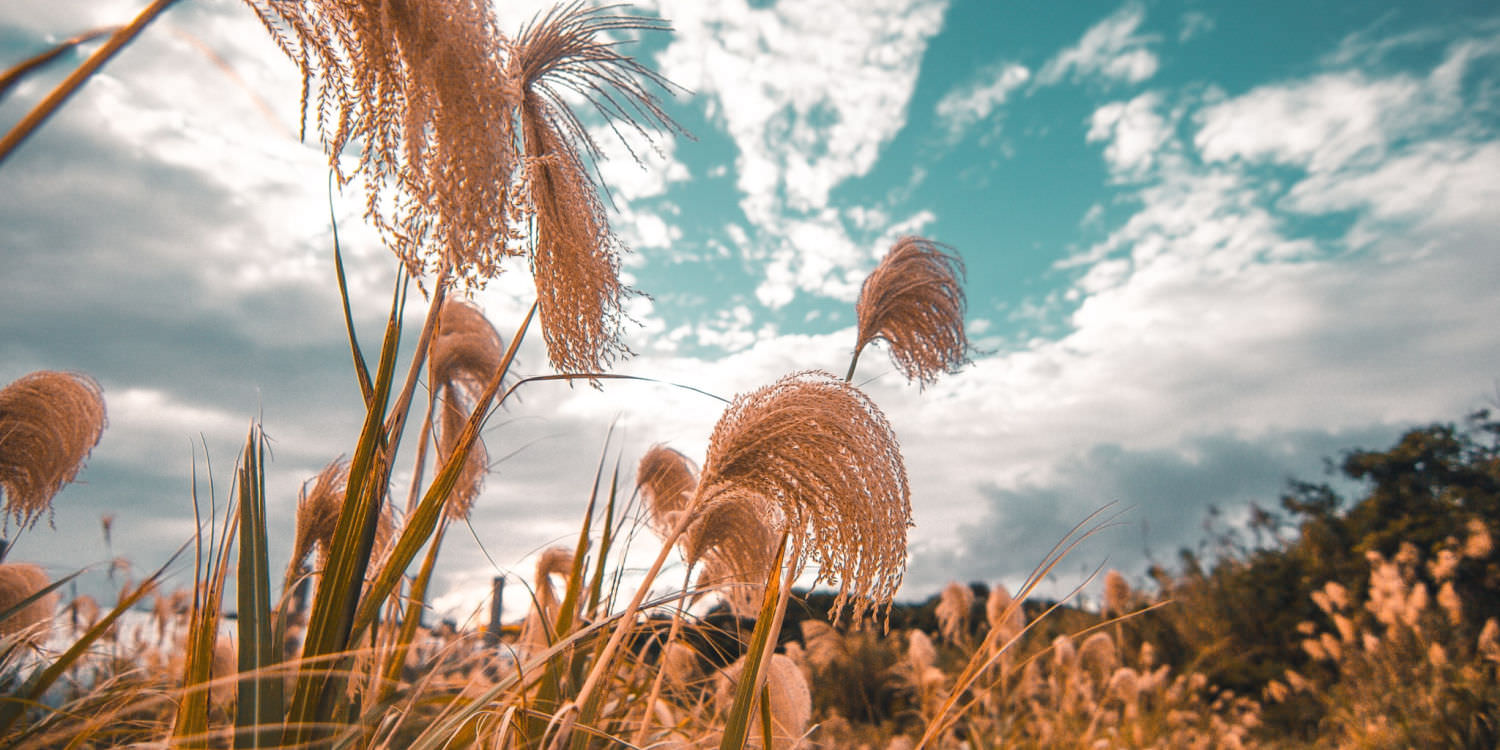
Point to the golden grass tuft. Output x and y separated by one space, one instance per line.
819 452
914 301
667 480
790 701
49 422
18 581
464 355
421 87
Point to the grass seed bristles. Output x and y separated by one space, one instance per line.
914 301
318 509
954 604
820 452
420 86
49 422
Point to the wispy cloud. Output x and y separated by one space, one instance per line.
1110 50
974 102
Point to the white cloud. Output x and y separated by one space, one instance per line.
1324 122
1111 50
975 101
1134 131
810 92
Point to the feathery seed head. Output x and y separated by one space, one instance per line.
953 607
914 300
920 652
667 480
821 453
1116 593
1098 654
1479 544
575 257
463 356
17 582
49 422
421 87
318 509
735 537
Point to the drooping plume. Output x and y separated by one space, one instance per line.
464 355
667 480
914 301
49 422
420 86
575 256
319 504
824 457
735 538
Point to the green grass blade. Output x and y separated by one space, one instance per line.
737 729
259 708
328 628
421 523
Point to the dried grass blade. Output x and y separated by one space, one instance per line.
329 624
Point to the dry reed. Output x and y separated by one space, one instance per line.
736 543
49 422
819 452
463 357
914 301
18 581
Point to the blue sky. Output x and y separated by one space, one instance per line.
1207 244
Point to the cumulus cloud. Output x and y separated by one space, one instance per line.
1111 50
1134 130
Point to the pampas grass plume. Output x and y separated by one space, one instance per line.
464 355
49 422
953 607
18 581
914 301
667 480
823 455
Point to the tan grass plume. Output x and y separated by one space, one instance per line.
49 422
954 604
735 539
18 581
914 301
667 480
421 88
575 257
464 355
820 453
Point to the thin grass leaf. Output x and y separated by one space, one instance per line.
421 523
191 726
361 369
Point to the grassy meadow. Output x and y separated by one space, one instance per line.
1322 621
